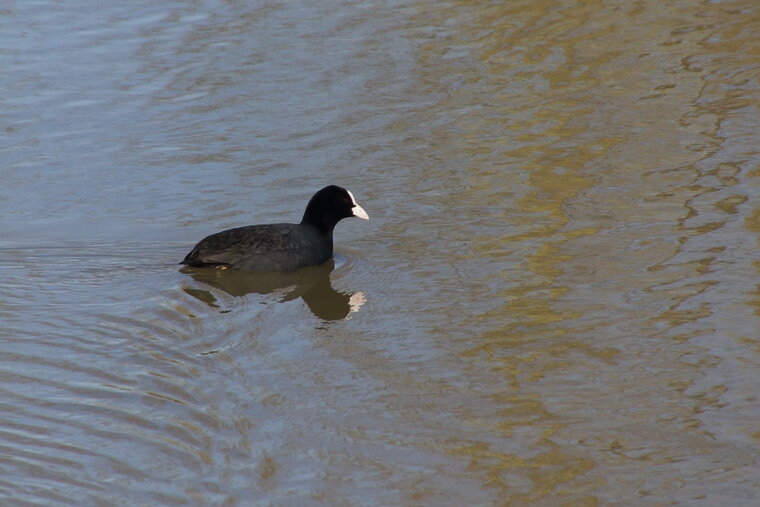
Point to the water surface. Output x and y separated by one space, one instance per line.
555 301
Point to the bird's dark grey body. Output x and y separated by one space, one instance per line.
280 247
270 247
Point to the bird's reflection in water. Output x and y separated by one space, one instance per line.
312 284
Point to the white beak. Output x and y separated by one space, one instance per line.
357 210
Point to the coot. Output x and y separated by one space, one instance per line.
280 247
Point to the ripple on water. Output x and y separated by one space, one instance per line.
108 377
91 389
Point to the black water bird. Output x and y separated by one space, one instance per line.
280 247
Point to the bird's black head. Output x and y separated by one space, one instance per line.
331 205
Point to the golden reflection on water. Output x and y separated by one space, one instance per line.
598 143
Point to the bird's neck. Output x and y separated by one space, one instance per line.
324 225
